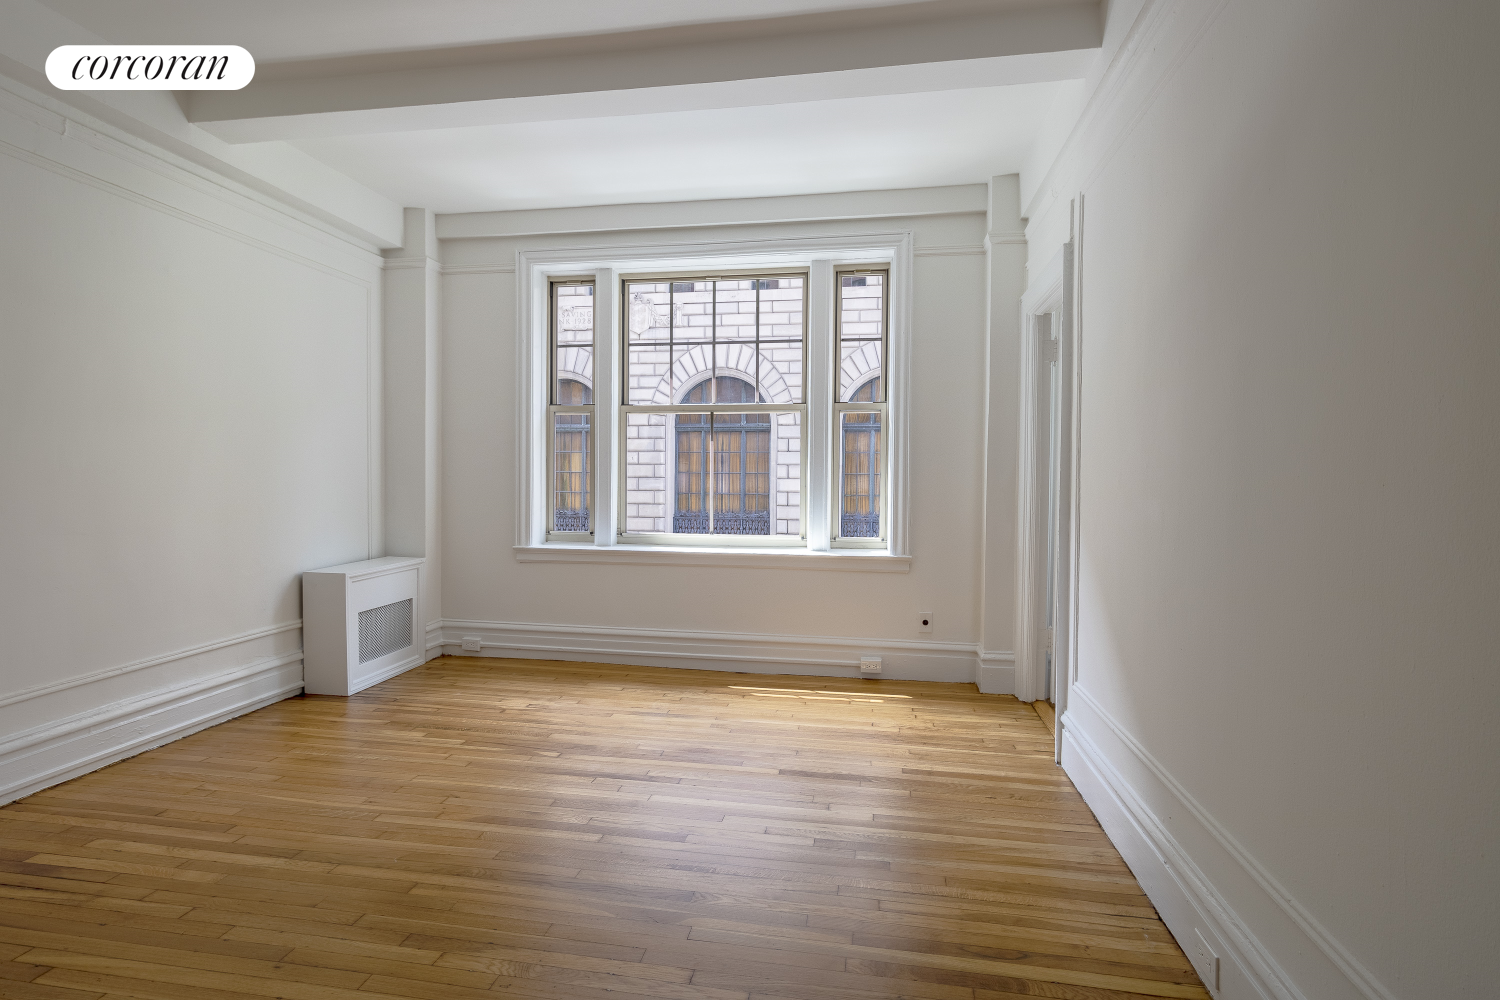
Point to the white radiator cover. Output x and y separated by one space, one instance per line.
360 624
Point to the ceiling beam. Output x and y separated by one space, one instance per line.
909 48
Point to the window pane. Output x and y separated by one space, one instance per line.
722 473
734 366
690 508
861 333
862 306
786 474
647 380
859 475
734 310
781 308
646 472
649 307
571 482
780 371
742 473
859 371
573 337
692 310
691 374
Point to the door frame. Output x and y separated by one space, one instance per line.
1051 295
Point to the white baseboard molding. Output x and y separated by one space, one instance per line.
53 753
816 656
1198 877
996 673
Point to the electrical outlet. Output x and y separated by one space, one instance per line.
869 664
473 644
1206 961
924 621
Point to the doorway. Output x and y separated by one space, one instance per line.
1044 587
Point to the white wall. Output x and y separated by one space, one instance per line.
184 403
483 582
1290 297
275 171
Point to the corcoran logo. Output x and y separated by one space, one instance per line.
150 67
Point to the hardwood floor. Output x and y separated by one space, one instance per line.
584 831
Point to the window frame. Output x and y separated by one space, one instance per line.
605 258
684 539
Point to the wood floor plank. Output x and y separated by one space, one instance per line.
577 831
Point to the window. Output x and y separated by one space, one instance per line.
860 410
713 410
713 407
571 410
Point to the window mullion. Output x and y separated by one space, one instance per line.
818 392
606 405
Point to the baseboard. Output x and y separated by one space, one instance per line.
1198 877
817 656
176 656
58 751
996 673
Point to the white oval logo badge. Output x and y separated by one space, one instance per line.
150 67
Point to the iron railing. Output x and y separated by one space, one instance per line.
695 522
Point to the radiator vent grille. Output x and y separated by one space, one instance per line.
384 630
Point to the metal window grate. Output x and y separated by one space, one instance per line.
384 630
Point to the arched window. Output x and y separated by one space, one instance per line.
859 515
570 460
740 463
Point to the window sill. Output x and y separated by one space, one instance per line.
842 560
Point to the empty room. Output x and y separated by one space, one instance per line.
749 499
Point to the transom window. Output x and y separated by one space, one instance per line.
712 409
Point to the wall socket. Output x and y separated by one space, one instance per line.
1206 961
869 664
473 644
924 621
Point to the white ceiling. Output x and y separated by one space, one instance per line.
949 92
274 30
858 144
